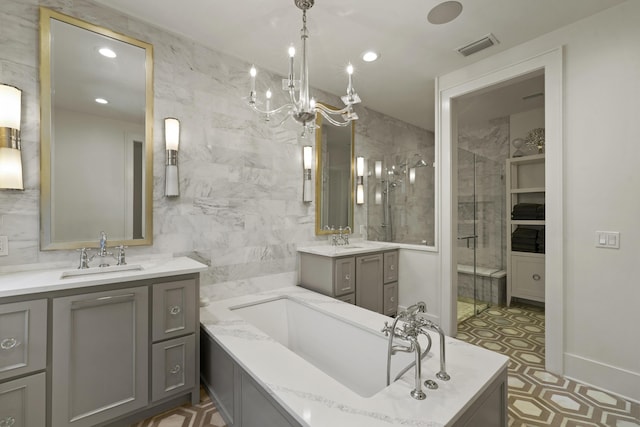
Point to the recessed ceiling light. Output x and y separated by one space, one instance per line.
105 51
101 101
444 12
370 56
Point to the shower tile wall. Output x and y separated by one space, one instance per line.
490 142
412 205
240 207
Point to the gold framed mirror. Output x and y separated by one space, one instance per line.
335 170
96 136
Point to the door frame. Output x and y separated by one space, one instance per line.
489 72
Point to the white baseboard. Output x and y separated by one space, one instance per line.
609 378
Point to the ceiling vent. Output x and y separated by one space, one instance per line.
478 45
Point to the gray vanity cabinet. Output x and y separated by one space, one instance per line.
100 356
22 402
369 281
335 277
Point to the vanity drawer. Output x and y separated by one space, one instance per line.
22 402
174 309
390 266
173 366
390 299
23 337
350 298
345 276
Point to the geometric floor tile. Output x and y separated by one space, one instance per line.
538 397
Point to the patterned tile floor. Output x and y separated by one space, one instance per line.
537 397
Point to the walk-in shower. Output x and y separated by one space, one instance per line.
481 218
402 191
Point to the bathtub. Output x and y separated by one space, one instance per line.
323 340
292 357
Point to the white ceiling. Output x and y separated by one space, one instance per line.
413 51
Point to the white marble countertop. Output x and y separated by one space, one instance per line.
316 399
353 248
47 280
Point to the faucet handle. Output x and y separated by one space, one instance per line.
121 254
386 329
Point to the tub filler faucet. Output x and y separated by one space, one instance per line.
413 326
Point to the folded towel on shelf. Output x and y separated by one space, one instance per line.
528 211
523 232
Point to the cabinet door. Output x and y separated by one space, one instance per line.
527 279
100 356
22 402
174 309
344 280
390 299
173 366
23 338
369 282
390 267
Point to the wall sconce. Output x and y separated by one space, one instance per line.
172 140
412 175
307 159
378 169
10 156
360 180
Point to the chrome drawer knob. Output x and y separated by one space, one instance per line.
8 344
347 277
393 267
174 310
175 369
7 422
536 277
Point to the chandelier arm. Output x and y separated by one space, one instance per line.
328 110
288 107
333 121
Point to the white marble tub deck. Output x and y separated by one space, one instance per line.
316 399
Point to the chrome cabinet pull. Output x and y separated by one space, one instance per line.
7 422
347 277
392 267
174 310
8 344
175 369
536 277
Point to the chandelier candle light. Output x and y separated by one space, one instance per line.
302 107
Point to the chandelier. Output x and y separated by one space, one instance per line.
301 106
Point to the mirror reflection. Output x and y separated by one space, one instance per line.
96 91
334 176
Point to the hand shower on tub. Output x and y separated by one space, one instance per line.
413 326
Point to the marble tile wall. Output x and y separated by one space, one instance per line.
240 207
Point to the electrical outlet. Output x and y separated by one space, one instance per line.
4 246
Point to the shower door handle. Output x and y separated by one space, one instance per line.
468 238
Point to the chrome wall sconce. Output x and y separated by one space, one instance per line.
307 160
10 156
360 180
172 141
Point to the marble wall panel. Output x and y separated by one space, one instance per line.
240 209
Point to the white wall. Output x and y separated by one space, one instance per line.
601 150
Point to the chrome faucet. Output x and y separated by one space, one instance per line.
414 325
102 250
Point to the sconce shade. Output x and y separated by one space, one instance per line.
360 166
360 194
378 168
10 169
307 155
172 188
10 156
412 175
172 133
10 107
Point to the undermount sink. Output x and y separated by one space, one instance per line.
100 270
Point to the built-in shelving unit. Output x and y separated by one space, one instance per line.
525 269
